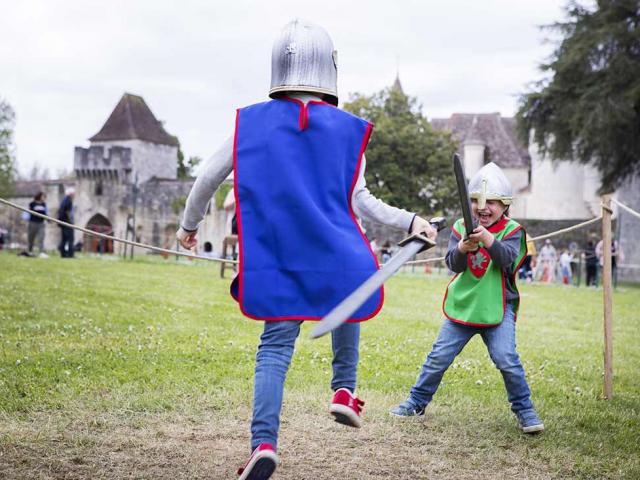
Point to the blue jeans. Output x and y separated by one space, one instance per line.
272 362
501 343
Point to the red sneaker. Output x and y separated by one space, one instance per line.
261 464
346 407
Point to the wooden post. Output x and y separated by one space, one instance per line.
607 297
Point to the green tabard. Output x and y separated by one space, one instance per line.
477 296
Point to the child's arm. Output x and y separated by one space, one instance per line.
365 205
455 259
218 167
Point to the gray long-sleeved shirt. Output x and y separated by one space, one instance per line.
220 165
502 252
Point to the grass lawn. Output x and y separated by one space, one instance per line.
118 369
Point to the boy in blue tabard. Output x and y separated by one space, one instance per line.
481 299
298 165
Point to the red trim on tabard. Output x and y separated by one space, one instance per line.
517 229
363 147
303 116
240 298
499 225
238 216
455 232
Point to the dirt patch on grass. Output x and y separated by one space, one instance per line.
174 446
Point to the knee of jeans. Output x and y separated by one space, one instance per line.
506 360
278 358
438 360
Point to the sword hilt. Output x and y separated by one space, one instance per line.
439 223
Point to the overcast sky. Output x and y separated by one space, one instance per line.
65 64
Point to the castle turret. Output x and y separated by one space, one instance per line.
131 145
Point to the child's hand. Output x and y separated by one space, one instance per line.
187 239
467 246
481 234
420 225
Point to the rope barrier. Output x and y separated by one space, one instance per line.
222 260
627 209
534 239
116 239
565 230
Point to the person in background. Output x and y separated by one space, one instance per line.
591 264
208 250
616 255
65 214
35 234
565 266
526 271
548 258
385 251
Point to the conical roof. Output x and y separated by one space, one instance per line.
397 85
133 119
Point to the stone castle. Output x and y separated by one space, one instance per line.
126 185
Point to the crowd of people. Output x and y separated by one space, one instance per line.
567 266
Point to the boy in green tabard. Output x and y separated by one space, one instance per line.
482 298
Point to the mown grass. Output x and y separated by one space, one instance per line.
90 338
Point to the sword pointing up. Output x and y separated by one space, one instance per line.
408 248
463 194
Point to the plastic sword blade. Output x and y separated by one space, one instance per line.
349 305
463 194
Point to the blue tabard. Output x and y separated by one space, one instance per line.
301 249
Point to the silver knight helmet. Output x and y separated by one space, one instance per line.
303 59
490 183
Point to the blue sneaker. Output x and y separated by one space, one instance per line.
529 421
407 409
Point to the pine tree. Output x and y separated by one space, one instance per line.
588 107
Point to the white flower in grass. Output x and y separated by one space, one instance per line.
479 382
18 362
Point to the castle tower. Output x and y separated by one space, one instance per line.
131 146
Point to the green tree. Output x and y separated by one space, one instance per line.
186 169
7 155
408 163
587 108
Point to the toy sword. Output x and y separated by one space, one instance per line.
411 245
463 194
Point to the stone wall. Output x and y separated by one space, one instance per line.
148 159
